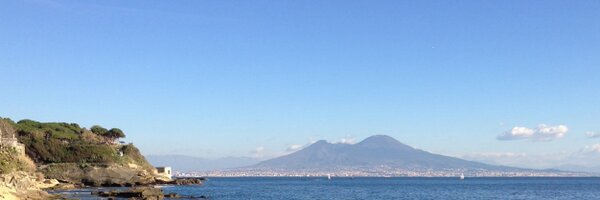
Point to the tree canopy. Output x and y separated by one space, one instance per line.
115 133
98 130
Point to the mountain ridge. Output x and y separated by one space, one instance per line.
372 152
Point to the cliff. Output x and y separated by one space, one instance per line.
81 156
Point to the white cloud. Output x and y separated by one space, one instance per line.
346 140
500 154
259 152
592 134
259 149
294 147
591 149
542 132
517 133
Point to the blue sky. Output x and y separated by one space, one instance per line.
223 78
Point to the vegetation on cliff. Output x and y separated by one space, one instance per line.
71 153
53 142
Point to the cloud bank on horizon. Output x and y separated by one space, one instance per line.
585 157
542 132
591 149
592 134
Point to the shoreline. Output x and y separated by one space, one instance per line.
419 177
222 188
146 191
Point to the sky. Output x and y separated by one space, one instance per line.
485 80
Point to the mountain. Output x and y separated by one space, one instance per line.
194 164
373 152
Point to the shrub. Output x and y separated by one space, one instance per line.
99 130
115 133
65 142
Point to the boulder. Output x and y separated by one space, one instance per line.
21 185
141 193
180 181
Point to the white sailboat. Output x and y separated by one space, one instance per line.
462 176
328 176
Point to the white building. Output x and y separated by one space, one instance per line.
164 171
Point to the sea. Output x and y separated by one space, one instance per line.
381 188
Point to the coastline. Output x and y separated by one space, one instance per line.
147 191
382 173
381 187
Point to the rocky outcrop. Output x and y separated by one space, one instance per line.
97 175
23 185
108 175
145 193
18 179
180 181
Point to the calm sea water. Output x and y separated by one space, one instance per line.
394 188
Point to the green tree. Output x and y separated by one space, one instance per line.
99 130
115 133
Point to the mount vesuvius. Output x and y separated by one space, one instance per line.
373 152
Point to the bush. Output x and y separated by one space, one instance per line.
52 129
115 133
65 142
99 130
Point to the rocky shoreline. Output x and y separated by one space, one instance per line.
145 193
150 191
23 185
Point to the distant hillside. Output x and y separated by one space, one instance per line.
193 164
375 151
577 168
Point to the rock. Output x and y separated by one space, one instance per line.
21 185
141 193
188 181
97 175
64 186
172 195
149 193
180 181
47 183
